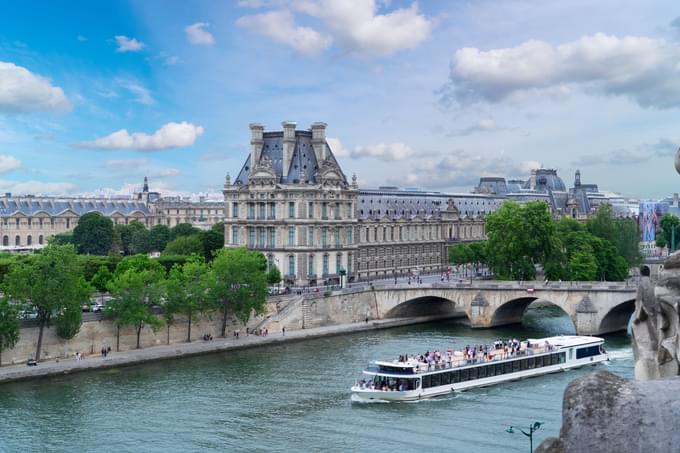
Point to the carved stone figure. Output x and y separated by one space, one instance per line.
655 324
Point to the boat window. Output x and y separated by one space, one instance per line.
563 356
515 366
426 382
507 367
446 378
531 362
523 364
546 360
571 353
499 369
473 373
492 370
456 376
587 352
464 375
554 359
435 380
482 371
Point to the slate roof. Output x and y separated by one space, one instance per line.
303 164
56 206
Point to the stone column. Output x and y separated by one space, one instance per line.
586 317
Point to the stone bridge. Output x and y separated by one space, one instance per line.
594 307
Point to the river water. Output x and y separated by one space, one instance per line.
291 397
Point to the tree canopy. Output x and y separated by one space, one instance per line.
9 325
94 234
186 291
185 245
668 223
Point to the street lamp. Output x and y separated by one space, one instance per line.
532 429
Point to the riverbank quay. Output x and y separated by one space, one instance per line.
178 350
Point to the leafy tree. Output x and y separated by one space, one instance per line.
622 233
182 229
139 263
62 238
140 241
212 240
186 291
660 241
519 237
9 325
134 294
94 234
70 317
48 284
125 233
583 265
101 279
668 223
238 284
274 275
159 236
185 245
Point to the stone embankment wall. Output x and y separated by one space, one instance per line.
96 334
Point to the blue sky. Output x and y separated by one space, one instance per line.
429 94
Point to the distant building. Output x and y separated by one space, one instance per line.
292 201
28 222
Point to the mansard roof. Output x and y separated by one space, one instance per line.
54 206
303 163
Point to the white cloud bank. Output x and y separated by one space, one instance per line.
36 187
170 135
197 34
8 163
640 68
23 91
356 25
386 152
126 44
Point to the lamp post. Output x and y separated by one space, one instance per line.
532 429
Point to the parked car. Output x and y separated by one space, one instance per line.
97 308
87 307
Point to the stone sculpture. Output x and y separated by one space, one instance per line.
655 324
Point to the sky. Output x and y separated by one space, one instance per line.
431 94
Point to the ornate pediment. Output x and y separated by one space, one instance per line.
263 172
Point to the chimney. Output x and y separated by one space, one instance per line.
288 145
319 141
256 131
675 200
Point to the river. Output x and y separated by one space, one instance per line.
291 397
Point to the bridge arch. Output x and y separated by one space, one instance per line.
426 306
514 310
617 318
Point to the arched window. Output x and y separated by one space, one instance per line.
17 240
29 240
5 240
40 240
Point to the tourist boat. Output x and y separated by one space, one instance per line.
411 379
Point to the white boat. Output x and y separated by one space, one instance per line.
410 379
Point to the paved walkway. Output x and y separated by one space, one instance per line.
176 350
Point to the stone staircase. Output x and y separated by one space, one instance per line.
306 314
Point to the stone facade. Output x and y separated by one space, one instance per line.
28 222
292 201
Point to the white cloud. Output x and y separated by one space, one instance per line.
197 34
170 135
643 69
484 125
124 164
36 187
164 173
23 91
356 25
142 94
360 29
126 44
252 3
387 152
8 163
280 26
459 168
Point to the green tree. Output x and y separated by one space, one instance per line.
238 284
48 284
94 234
582 265
125 233
159 236
70 317
621 232
101 279
134 294
139 263
519 237
668 223
274 275
185 245
140 241
9 325
62 238
186 291
212 240
182 229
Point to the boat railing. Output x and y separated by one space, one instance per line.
459 360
